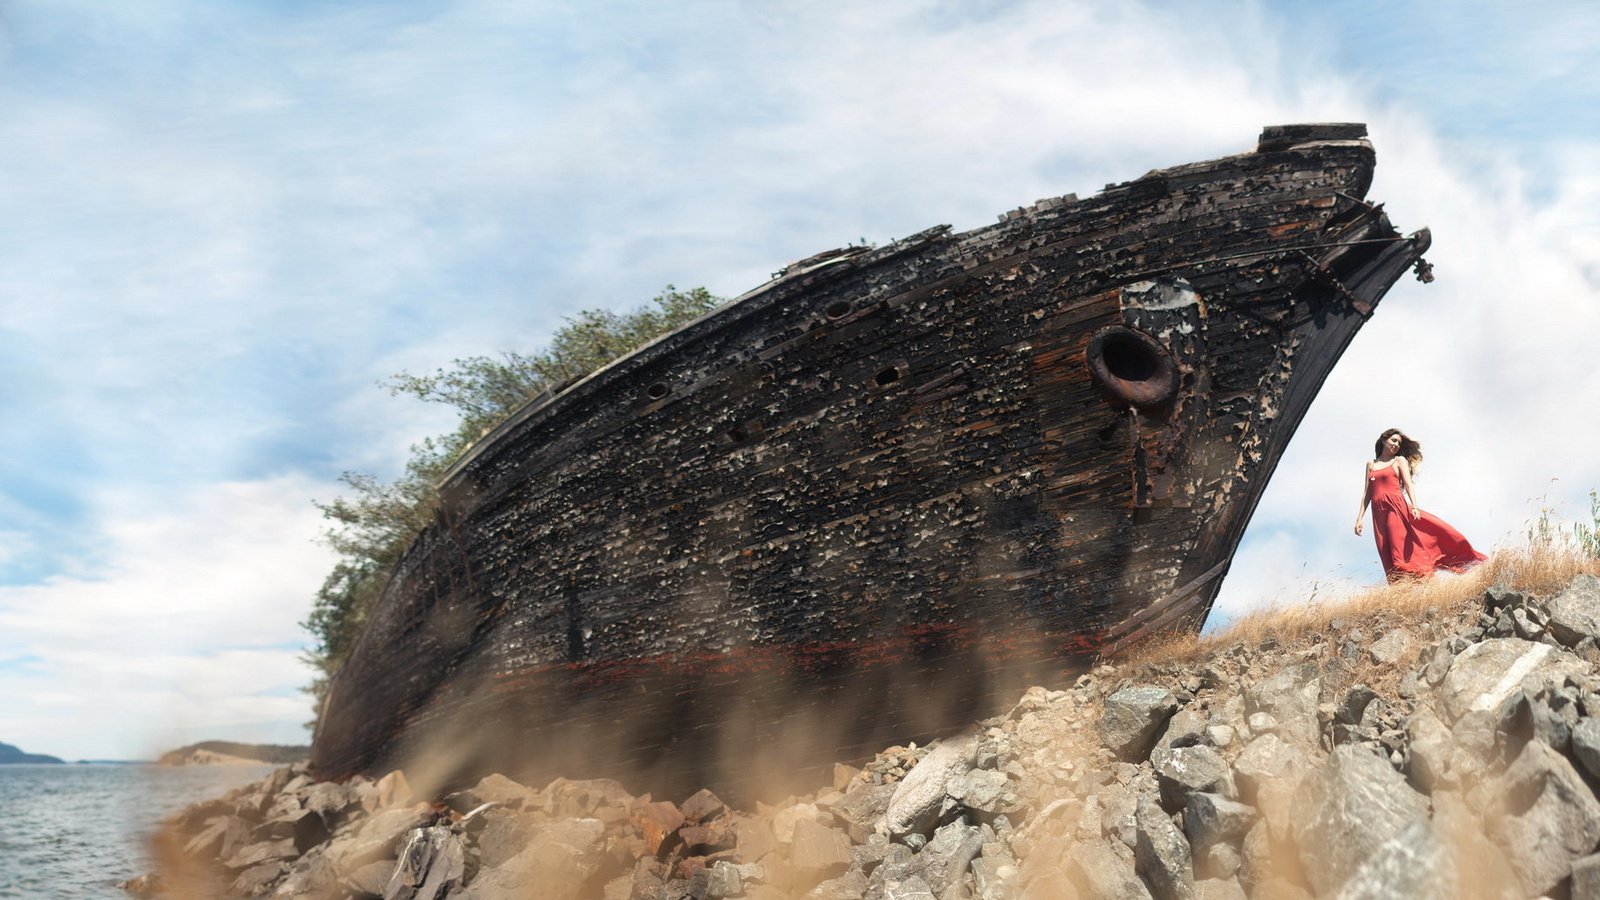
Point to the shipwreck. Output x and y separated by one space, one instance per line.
865 501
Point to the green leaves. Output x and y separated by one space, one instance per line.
373 524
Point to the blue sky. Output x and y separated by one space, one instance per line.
225 224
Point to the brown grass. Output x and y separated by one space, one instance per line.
1541 568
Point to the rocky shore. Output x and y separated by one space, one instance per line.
1450 754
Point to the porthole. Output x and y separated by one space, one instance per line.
657 391
1133 367
838 309
886 377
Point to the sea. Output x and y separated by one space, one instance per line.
75 831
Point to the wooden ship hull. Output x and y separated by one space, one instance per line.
863 502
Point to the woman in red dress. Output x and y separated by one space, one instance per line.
1411 543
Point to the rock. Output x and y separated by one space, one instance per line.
1217 861
432 862
984 790
310 830
1106 875
1290 696
1354 704
657 823
1431 750
946 858
1161 855
1186 728
370 880
334 803
219 839
720 881
1586 745
702 807
257 880
783 821
912 888
1489 672
1186 770
849 886
1211 819
1218 889
1262 723
375 838
502 790
1345 812
393 790
1387 650
1220 736
311 878
819 852
144 886
1133 719
255 854
577 799
1411 864
1545 817
1575 612
863 808
915 804
1586 878
557 864
755 838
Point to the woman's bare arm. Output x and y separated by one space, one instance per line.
1361 514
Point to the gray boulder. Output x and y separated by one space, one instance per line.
1487 674
1586 745
947 856
1211 819
1106 874
556 865
1575 612
1187 770
819 851
915 804
1412 864
1290 697
1346 811
432 863
1185 729
1387 650
1586 878
1545 817
1267 758
1161 854
1431 748
1133 719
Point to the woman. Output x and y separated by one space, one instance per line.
1411 543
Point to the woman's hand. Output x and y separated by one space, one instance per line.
1358 528
1416 513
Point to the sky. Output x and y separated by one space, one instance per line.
223 225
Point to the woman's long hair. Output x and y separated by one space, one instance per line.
1409 448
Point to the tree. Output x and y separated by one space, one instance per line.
372 526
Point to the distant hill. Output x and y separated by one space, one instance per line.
10 755
211 753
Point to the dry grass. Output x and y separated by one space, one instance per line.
1535 569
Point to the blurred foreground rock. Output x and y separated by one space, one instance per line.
1452 758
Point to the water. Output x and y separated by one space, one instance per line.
74 831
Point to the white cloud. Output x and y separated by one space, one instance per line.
191 624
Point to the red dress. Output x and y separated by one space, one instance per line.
1408 547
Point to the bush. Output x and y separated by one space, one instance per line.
375 523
